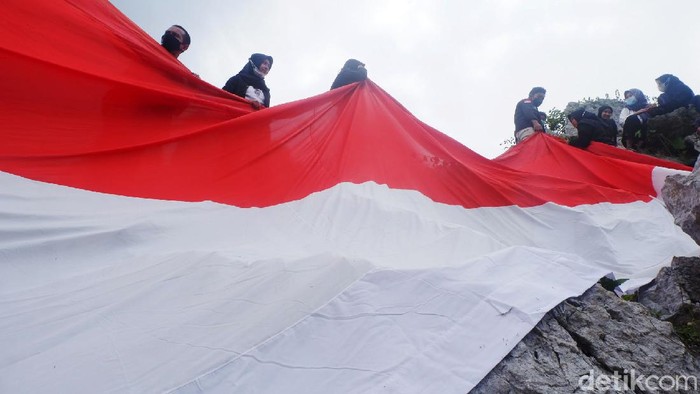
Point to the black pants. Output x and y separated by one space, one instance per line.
632 125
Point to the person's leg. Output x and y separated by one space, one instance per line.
629 131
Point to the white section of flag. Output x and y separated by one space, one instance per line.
359 288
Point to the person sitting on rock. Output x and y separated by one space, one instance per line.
590 128
353 71
633 119
675 94
605 114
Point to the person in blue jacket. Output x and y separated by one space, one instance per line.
674 94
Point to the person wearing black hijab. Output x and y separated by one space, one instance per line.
605 113
353 71
249 83
590 128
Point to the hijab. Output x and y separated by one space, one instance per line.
250 75
604 131
641 100
603 108
353 71
582 114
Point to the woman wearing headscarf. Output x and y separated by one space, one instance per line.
249 83
590 128
674 94
633 118
353 71
605 113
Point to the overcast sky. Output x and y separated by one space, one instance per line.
459 66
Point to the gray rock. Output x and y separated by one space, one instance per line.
596 333
682 197
687 273
600 335
547 360
664 295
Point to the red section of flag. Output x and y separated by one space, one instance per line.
113 112
600 164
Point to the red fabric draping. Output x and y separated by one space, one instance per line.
109 110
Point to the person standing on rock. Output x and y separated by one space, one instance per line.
527 115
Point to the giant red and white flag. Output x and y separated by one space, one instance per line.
157 235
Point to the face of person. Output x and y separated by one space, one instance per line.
264 67
661 86
180 35
574 122
628 94
606 114
537 99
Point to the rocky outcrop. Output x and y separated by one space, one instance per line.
587 340
674 287
667 134
682 197
601 343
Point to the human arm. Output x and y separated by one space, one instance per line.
527 115
584 138
537 125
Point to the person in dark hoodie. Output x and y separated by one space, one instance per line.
675 94
249 83
590 128
353 71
